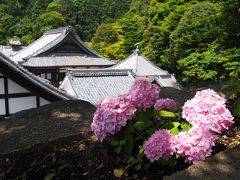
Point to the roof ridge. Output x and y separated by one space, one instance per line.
100 74
154 65
31 44
69 31
98 70
57 30
136 56
50 45
124 60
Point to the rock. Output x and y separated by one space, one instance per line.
118 172
46 126
222 166
82 147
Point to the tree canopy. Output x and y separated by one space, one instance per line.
195 39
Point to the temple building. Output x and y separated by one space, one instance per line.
145 69
93 85
21 90
14 48
59 57
57 50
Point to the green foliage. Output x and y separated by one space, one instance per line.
105 33
50 20
196 40
89 14
27 19
108 40
197 28
55 6
232 91
129 141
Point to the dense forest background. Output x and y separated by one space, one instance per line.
196 40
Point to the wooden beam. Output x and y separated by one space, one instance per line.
38 101
6 99
16 95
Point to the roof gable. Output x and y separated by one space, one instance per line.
140 65
66 39
93 85
29 81
35 46
68 46
54 40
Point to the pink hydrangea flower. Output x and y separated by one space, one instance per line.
164 104
144 94
207 109
158 146
195 145
112 113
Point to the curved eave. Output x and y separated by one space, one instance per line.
19 59
68 33
137 56
24 78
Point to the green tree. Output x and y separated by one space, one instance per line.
50 20
108 40
198 27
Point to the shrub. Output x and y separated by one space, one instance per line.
139 123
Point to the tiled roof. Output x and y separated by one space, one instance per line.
9 51
60 61
168 81
140 65
144 68
36 46
49 41
15 71
93 85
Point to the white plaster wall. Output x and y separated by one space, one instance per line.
43 102
66 86
2 107
94 67
148 78
2 86
15 88
22 103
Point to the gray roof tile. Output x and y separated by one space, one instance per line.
13 69
59 61
168 81
140 65
48 41
93 85
9 51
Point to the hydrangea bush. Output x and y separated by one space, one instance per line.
207 109
140 123
159 146
144 94
195 144
112 114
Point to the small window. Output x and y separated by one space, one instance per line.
43 75
49 76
